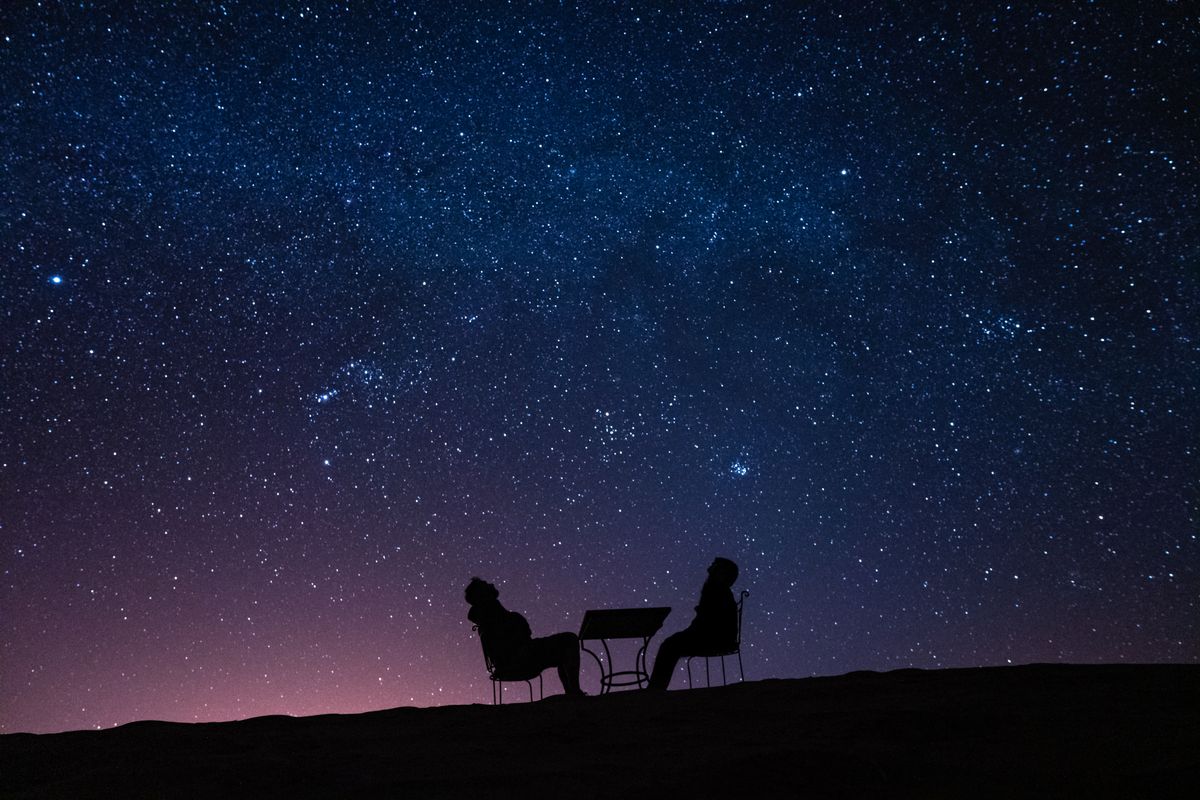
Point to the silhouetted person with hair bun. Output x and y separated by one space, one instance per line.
510 644
714 628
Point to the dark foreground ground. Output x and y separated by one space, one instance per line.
1069 731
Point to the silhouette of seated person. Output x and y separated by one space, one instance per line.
510 645
714 630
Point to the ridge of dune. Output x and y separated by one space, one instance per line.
1102 730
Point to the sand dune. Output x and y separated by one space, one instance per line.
1039 730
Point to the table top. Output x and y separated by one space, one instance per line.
622 623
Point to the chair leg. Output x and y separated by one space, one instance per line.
741 671
723 681
688 664
707 676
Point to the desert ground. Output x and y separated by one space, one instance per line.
1027 731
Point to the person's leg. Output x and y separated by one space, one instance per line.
562 652
670 651
568 662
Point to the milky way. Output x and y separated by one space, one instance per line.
311 314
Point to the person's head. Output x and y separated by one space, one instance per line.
723 571
480 591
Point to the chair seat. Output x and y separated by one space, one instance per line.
515 674
499 676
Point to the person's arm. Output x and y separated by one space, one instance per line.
716 616
519 627
706 611
729 618
710 601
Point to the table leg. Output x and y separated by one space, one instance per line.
640 664
605 677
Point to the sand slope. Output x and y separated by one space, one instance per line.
1039 730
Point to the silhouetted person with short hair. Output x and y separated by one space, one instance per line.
510 645
714 629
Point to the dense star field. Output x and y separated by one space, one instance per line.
312 313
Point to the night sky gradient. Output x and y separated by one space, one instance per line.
310 313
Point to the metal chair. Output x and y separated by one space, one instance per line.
736 650
499 676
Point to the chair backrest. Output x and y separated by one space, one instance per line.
487 659
741 604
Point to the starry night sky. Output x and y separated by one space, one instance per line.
312 313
